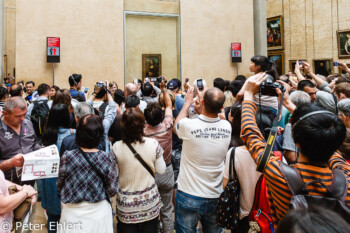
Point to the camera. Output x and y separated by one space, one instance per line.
100 84
160 79
153 79
268 87
335 63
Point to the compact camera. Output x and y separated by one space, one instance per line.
268 87
100 84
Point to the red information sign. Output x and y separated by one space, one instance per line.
236 52
53 42
53 50
236 46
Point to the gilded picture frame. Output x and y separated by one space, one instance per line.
343 40
274 33
277 57
323 66
151 65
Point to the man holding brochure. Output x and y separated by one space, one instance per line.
17 137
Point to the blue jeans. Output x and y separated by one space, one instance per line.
191 209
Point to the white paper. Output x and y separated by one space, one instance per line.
41 164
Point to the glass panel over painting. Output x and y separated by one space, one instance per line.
151 47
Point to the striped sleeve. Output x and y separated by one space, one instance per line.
279 193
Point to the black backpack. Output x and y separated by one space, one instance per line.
38 116
228 204
101 110
333 200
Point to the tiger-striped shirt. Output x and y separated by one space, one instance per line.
278 191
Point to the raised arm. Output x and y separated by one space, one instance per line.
183 113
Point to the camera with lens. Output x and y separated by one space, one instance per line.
268 87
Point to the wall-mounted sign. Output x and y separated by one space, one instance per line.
53 49
236 52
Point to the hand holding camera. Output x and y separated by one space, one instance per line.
252 85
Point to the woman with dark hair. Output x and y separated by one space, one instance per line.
138 199
63 97
57 127
260 65
87 180
313 219
244 165
53 91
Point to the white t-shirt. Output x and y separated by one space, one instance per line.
205 143
247 175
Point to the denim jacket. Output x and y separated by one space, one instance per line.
49 195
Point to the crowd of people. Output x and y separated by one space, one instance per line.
168 151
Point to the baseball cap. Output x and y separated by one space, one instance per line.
172 85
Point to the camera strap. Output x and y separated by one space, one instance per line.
270 141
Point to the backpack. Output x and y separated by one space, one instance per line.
101 110
334 199
38 116
260 218
228 204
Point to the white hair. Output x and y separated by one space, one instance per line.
299 97
344 106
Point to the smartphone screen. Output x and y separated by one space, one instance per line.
300 62
200 84
335 63
146 79
86 90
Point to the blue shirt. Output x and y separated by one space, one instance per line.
74 93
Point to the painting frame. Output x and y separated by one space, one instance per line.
279 64
292 65
331 68
271 40
343 52
157 59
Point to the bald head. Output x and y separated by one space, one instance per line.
214 100
16 90
130 89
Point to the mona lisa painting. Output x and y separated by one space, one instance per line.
151 65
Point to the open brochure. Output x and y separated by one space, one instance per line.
40 164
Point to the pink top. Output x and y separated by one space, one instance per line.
5 219
163 134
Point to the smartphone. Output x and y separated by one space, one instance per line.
300 63
146 80
200 84
335 63
86 90
186 80
153 80
136 81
